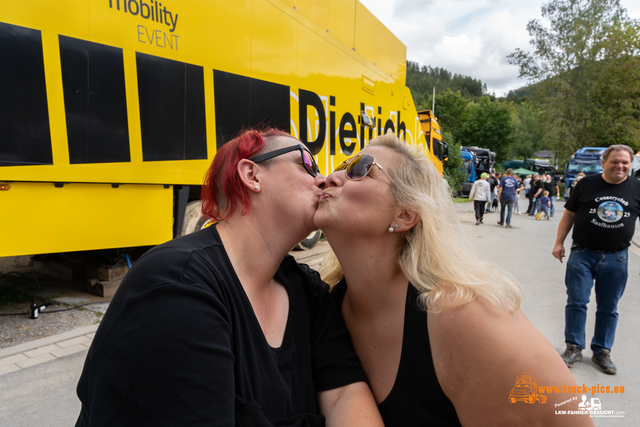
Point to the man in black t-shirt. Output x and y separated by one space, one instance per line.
602 211
552 187
537 187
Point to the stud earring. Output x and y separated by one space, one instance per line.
255 186
392 228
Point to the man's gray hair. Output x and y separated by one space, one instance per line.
618 147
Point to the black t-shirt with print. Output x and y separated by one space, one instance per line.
606 213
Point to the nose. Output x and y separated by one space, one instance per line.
336 179
320 181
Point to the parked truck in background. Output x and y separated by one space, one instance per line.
540 166
587 160
112 111
484 160
469 169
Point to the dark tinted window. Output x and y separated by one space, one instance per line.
172 109
94 101
25 138
243 102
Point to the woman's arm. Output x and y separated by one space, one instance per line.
350 405
481 354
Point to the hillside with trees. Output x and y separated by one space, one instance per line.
581 88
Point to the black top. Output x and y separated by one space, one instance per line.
416 398
535 186
493 181
181 345
550 187
605 213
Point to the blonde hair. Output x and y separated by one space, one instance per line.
436 256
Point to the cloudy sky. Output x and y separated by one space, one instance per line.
468 37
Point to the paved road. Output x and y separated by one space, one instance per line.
45 394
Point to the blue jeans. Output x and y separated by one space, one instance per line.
545 209
553 204
609 269
536 206
508 204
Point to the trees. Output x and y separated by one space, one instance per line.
488 125
587 71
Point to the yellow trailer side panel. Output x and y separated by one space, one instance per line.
82 216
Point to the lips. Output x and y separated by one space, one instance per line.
325 196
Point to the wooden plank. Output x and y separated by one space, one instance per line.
103 289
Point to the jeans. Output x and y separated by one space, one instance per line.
491 201
517 207
553 204
478 205
536 207
508 204
609 269
545 209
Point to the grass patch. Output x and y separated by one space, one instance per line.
461 200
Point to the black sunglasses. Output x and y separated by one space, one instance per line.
307 159
358 167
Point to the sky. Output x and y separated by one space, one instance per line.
468 37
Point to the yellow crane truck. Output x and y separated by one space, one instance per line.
112 110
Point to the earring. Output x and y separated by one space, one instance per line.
392 228
255 186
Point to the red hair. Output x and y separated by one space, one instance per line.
222 189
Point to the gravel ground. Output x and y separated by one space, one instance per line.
15 325
19 329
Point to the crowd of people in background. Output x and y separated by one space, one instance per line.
495 192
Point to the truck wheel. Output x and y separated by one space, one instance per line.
193 218
542 399
310 241
531 400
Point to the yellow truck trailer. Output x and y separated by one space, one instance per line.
112 110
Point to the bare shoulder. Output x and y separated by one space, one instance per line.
479 353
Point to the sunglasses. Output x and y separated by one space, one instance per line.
307 159
359 166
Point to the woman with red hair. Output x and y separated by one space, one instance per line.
222 327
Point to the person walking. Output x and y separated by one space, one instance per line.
493 182
536 192
481 191
519 189
602 210
551 186
506 195
527 188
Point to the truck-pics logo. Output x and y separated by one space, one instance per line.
526 390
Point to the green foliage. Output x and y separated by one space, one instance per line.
529 134
587 69
488 125
422 80
452 111
453 168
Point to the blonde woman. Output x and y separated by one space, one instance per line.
438 331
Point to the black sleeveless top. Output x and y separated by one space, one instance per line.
416 398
